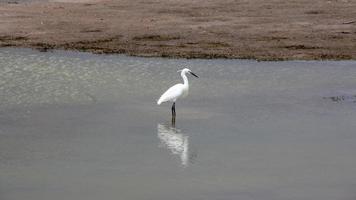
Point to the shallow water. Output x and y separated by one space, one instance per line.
82 126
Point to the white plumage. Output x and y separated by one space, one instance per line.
177 91
173 93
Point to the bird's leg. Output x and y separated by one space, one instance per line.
173 122
174 110
174 114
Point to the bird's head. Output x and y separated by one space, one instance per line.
186 70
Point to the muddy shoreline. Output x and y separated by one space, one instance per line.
248 29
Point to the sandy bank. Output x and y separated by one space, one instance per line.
265 30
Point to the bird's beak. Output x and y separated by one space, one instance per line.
194 74
179 70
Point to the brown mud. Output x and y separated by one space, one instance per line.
253 29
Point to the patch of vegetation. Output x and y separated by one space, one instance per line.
300 46
155 38
314 12
6 38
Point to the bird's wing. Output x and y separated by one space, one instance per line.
171 94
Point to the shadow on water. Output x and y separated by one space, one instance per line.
342 98
177 142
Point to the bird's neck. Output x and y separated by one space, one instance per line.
185 79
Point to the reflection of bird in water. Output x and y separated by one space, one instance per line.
176 142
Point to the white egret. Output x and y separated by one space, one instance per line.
177 91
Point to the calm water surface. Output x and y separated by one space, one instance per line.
86 127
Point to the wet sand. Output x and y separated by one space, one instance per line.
263 30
